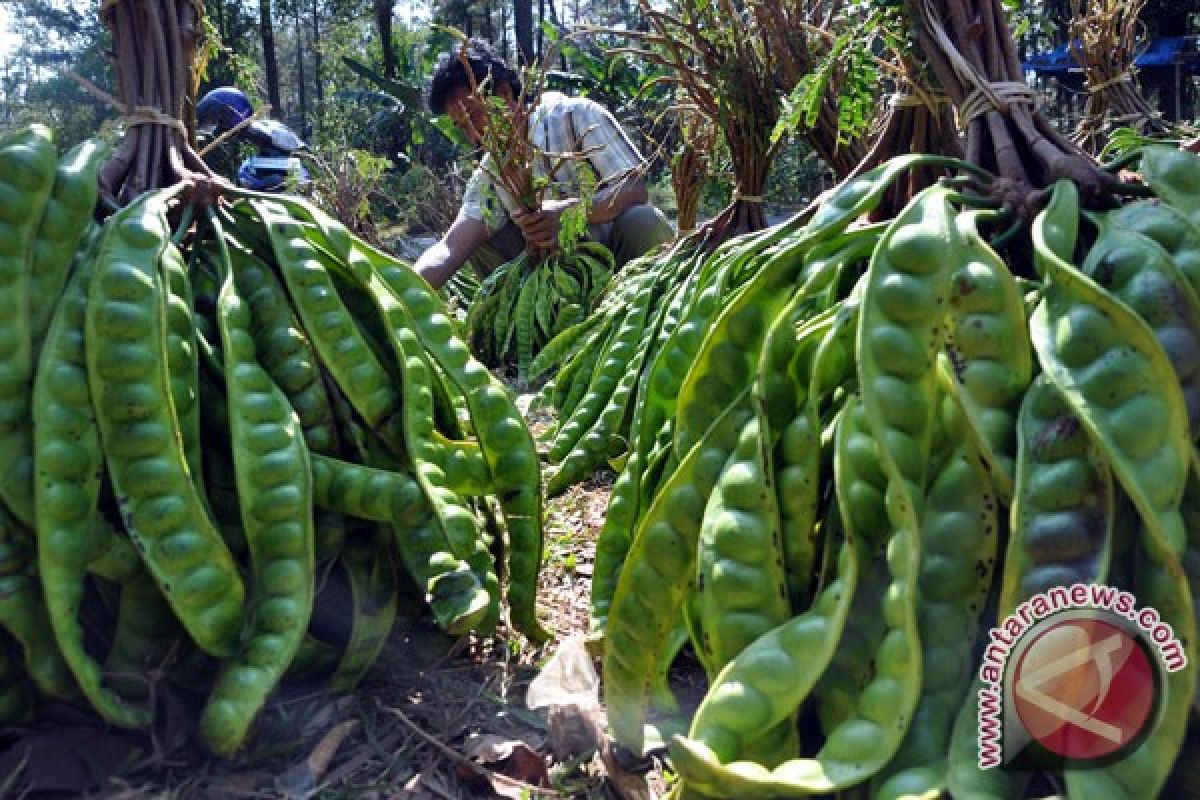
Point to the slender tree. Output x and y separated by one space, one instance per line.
523 29
383 24
318 84
301 83
266 27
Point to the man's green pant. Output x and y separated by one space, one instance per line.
636 231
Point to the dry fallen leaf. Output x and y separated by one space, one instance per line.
302 779
511 758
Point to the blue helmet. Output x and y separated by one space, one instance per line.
222 109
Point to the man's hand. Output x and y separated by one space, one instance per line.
540 228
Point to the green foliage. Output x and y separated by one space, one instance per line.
852 60
573 224
55 37
1125 140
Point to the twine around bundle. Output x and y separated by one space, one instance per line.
145 115
1123 77
995 97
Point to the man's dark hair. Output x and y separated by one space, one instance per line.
449 73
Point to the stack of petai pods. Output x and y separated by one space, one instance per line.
530 300
210 412
862 444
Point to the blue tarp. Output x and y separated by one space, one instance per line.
1058 61
1161 54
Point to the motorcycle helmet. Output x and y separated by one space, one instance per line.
272 173
222 109
273 137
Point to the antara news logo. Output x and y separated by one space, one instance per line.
1075 674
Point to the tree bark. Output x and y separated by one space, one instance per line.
266 28
489 29
301 87
541 37
383 22
523 28
318 86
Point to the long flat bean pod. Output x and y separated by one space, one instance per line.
373 596
1174 175
988 346
165 517
762 686
860 486
1178 234
503 437
68 465
740 588
615 362
592 448
23 611
455 596
612 545
907 290
27 162
65 219
1062 512
182 357
335 335
1141 274
426 454
274 484
1118 380
959 534
658 573
285 351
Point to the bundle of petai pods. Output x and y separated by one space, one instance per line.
853 447
528 301
211 416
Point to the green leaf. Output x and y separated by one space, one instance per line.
447 128
404 93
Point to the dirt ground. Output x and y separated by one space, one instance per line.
436 719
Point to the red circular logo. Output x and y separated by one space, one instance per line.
1083 688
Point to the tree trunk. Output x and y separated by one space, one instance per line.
318 85
489 30
301 88
541 34
504 28
383 22
266 28
523 28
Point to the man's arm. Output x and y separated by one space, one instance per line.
459 243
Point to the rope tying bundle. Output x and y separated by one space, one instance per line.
145 115
1123 77
918 99
995 97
